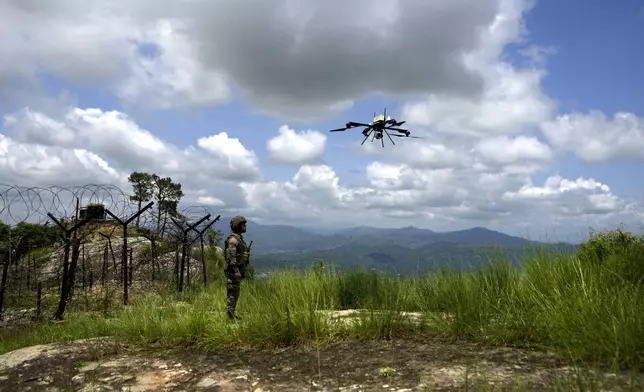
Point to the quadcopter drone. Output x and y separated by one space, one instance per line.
378 128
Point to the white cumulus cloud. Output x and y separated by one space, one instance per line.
210 201
506 150
595 138
297 148
85 146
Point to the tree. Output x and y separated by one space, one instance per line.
167 195
27 236
213 236
143 186
162 190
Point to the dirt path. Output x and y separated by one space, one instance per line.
403 365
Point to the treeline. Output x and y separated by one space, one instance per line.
23 237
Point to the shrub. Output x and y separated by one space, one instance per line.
600 246
619 253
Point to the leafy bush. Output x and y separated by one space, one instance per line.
617 252
601 246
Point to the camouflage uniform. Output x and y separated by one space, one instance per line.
237 258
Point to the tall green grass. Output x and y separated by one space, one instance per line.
589 307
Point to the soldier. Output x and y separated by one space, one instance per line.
237 256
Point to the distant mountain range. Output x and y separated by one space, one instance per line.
406 250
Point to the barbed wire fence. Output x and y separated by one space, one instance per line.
90 248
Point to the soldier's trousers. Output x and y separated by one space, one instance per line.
233 287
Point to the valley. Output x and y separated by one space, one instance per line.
407 250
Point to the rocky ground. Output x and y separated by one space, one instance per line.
400 365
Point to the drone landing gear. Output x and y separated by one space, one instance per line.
389 136
366 135
376 136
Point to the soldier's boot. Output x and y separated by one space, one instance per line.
232 315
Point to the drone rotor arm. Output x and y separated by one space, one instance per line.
352 124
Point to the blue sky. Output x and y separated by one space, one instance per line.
598 66
599 52
498 151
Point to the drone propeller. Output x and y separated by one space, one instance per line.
413 137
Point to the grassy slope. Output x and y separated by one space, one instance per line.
589 308
553 303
